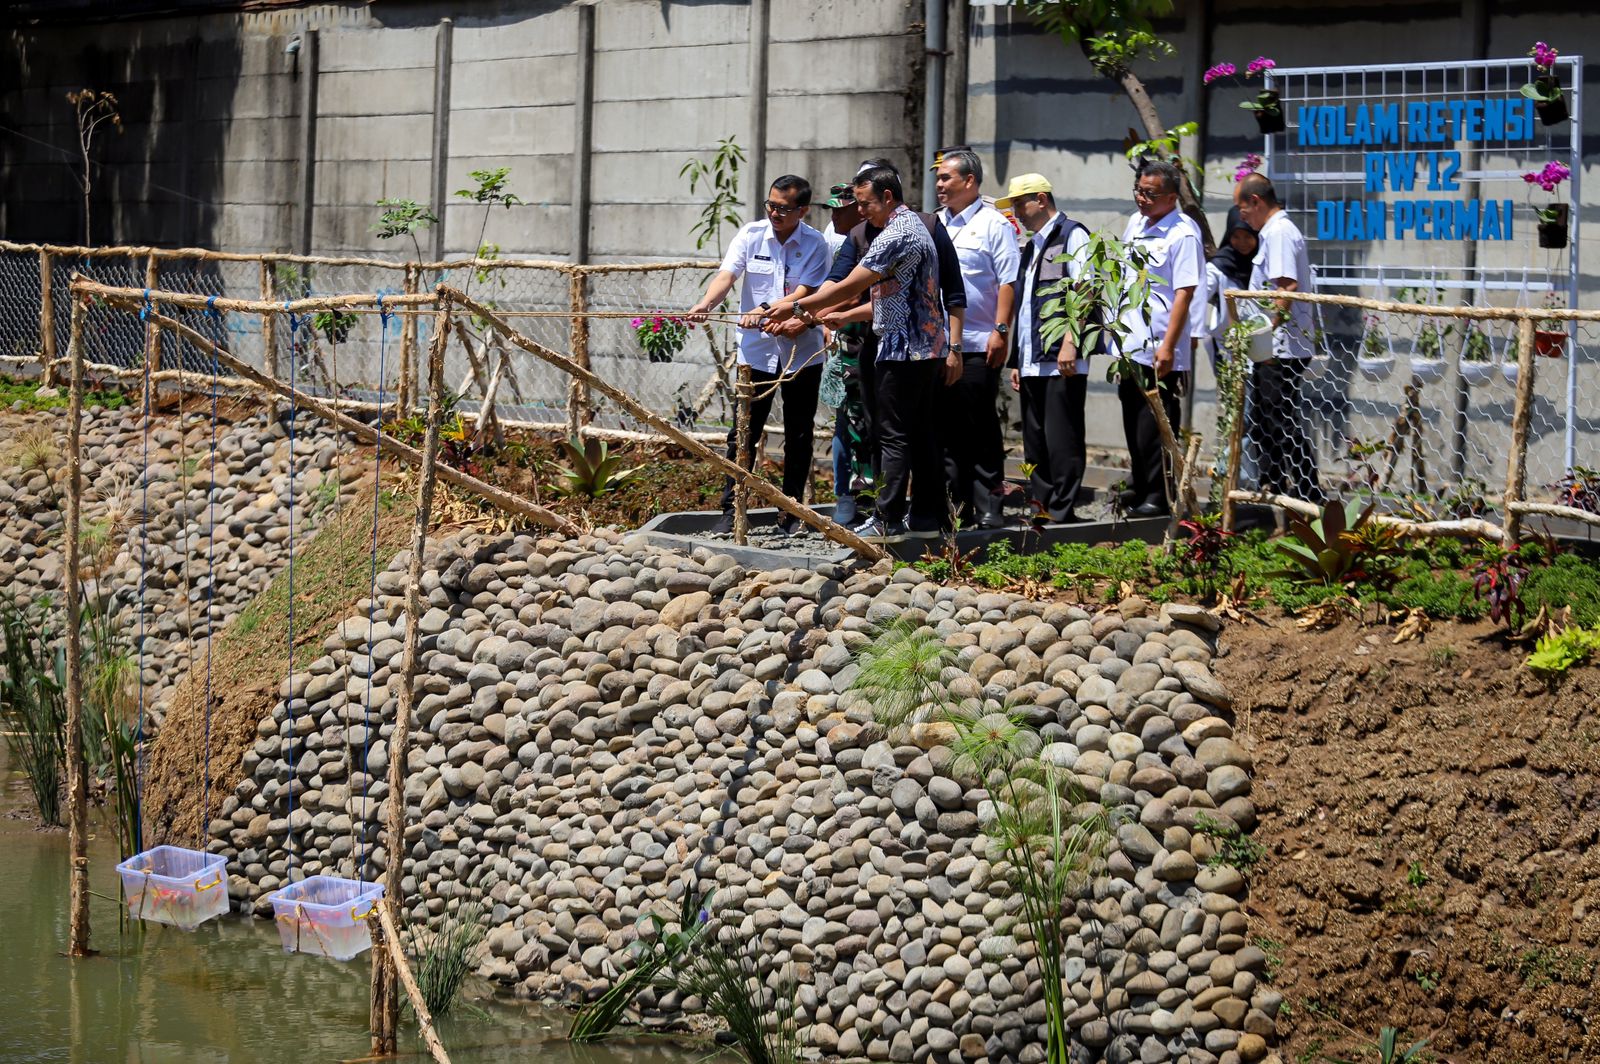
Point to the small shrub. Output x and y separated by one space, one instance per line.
1417 876
1568 580
1342 547
1444 595
1235 848
1559 652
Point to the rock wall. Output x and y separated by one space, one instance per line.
596 715
252 522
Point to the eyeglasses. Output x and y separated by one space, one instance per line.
1148 194
782 210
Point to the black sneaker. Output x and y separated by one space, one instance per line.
874 530
724 524
990 522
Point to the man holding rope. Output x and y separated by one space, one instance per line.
775 257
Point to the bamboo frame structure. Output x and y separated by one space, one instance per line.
396 956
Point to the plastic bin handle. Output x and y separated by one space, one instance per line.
364 915
207 886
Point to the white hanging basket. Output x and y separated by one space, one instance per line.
1427 370
1375 369
1476 373
1508 370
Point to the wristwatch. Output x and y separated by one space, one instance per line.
1002 328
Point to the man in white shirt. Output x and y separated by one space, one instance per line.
1051 377
1161 354
1278 440
969 420
775 257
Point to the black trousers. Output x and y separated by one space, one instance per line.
908 444
1053 440
799 393
1284 454
974 453
1150 479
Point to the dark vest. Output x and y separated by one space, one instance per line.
1049 275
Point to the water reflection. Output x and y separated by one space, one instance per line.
221 994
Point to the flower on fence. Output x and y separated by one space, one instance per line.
1550 176
661 337
1251 164
1544 56
1259 65
1221 70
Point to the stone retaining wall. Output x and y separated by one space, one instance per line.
595 715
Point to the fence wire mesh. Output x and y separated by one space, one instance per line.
19 308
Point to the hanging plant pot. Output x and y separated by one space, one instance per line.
1427 370
1508 370
1549 343
1260 348
1476 373
1375 368
1268 109
1551 103
1553 226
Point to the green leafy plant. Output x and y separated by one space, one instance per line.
1476 347
1417 876
1095 307
1568 582
1387 1049
444 955
33 704
592 470
490 193
1234 848
1558 653
654 954
721 178
403 217
723 970
334 324
1343 546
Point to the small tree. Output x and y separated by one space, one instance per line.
403 217
91 110
722 177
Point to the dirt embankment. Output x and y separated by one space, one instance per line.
1430 813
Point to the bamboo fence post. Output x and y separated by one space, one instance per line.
1522 414
269 332
1235 453
408 346
769 493
47 321
578 338
152 335
77 771
391 935
741 428
386 1002
369 435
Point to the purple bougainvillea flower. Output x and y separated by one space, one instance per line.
1221 70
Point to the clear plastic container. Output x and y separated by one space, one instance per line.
326 915
172 885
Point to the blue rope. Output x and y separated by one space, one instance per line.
372 592
211 580
295 322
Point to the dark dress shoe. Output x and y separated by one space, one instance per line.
1152 508
724 524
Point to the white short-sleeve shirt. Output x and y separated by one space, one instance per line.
1073 247
1177 260
1283 254
771 270
987 247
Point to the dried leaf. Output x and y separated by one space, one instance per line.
1322 615
1415 624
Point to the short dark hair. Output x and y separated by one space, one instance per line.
798 185
1253 185
1159 168
878 163
882 179
967 163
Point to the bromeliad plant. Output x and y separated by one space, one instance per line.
1343 547
592 470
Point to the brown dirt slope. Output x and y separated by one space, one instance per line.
250 660
1430 813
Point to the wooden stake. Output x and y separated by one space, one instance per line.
633 408
77 771
269 331
578 413
408 348
1235 454
371 436
152 335
391 935
386 1004
742 433
1463 528
47 321
1522 415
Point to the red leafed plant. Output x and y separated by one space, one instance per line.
1201 556
1497 580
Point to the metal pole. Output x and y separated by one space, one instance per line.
308 138
582 134
443 45
756 193
1574 242
932 97
1475 13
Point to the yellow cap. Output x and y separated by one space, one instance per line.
1023 185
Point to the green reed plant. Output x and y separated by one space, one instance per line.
444 955
33 702
654 955
723 970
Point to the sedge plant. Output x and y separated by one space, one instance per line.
654 956
445 955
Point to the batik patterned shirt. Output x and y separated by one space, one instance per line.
906 312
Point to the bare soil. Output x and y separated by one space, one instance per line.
1430 812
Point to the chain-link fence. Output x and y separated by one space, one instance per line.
1417 408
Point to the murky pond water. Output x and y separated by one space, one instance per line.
223 994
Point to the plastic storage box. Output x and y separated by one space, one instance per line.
326 915
171 885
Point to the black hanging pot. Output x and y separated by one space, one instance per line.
1553 108
1268 110
1553 232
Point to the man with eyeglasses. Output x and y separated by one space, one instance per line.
775 257
986 246
1158 342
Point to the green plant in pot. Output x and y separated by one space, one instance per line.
1477 355
1375 360
1550 334
1545 90
1267 107
334 324
1552 217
